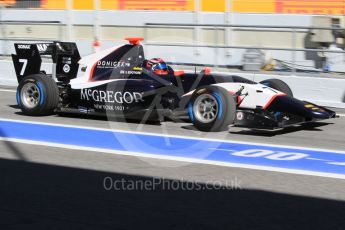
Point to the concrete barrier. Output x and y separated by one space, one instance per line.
324 91
8 75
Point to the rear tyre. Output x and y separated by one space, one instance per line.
37 95
212 109
278 85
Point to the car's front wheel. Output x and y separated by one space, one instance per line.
212 109
278 85
37 95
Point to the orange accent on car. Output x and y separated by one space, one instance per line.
161 72
92 70
239 100
134 41
272 99
179 73
207 71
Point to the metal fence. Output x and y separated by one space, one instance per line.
17 31
222 36
230 29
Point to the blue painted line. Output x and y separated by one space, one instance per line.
252 154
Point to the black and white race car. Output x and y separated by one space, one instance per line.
120 82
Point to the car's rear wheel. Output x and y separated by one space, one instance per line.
278 85
37 95
212 109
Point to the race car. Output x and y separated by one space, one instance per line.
120 82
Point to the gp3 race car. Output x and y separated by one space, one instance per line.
120 82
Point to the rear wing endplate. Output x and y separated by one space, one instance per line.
27 59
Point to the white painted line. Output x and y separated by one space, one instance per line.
337 163
8 90
171 158
174 136
316 159
226 150
341 115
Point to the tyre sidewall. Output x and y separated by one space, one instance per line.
279 85
44 106
226 109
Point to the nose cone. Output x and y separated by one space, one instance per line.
318 112
301 108
320 115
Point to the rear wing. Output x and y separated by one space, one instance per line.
27 59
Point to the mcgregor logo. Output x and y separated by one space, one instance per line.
111 96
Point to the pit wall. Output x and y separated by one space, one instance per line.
116 25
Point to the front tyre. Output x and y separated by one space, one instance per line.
37 95
212 109
278 85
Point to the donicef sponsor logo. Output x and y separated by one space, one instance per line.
111 96
112 64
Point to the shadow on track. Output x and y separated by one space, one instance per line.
313 127
95 117
12 147
14 106
306 127
36 196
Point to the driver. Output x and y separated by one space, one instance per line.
157 66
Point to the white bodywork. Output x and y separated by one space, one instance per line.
82 81
258 95
252 96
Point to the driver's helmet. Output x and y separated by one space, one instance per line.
157 66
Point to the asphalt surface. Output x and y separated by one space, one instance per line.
44 187
328 134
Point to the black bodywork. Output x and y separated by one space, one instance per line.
123 88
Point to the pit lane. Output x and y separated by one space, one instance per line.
326 136
75 175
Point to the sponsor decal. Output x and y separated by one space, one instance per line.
66 68
24 47
313 107
309 106
111 96
137 69
130 72
240 116
112 64
66 60
42 47
110 107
